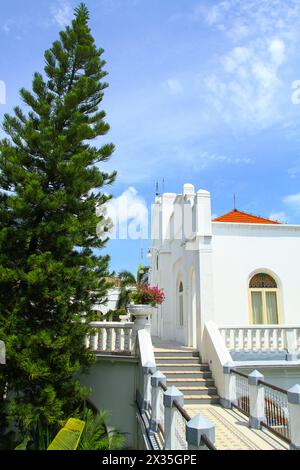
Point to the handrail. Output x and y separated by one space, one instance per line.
110 324
274 387
236 372
182 411
208 442
161 385
258 326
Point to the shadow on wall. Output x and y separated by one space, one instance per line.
113 384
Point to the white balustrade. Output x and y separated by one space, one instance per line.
251 338
111 337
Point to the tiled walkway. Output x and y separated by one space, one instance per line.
232 431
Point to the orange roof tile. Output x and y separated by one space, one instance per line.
236 216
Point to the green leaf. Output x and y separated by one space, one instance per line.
68 438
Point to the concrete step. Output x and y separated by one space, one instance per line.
199 391
186 374
181 366
177 359
192 382
175 352
200 399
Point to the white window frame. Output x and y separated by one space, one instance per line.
263 291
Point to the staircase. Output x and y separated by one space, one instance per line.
184 370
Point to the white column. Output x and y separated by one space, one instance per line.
229 386
205 275
147 369
256 399
169 396
141 322
156 379
294 416
291 344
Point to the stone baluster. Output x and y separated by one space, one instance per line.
127 339
109 339
100 345
118 339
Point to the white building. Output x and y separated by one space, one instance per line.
236 270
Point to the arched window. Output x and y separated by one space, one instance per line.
264 299
180 304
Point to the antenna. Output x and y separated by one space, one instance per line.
163 185
156 190
234 202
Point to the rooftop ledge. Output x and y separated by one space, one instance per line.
270 363
268 226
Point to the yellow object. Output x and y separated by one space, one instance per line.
69 436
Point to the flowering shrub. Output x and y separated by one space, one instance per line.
146 295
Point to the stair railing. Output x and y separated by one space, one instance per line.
264 404
170 424
161 408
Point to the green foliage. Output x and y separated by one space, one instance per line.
23 445
50 273
97 435
142 274
127 280
69 436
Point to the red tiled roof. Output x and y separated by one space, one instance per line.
236 216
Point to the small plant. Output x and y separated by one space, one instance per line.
147 295
97 434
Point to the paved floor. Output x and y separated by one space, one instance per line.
232 431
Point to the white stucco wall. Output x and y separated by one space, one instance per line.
240 250
223 257
112 299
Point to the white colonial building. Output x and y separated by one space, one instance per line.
235 270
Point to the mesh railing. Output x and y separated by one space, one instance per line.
162 389
242 393
181 418
276 417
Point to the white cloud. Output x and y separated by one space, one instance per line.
293 200
129 214
175 87
240 20
277 49
62 14
279 217
6 27
246 85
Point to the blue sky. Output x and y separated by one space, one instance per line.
200 92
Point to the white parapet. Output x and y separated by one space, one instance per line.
216 354
253 338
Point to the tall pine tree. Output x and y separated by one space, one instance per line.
50 184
